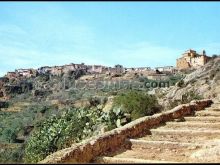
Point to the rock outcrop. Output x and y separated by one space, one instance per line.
204 81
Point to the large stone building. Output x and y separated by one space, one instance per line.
44 69
95 69
21 73
11 75
26 72
191 59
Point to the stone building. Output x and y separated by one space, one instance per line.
11 75
191 59
155 76
44 69
25 72
67 68
119 69
166 69
57 70
141 69
3 80
80 66
96 69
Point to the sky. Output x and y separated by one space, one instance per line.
134 34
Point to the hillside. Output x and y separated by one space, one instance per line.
202 83
46 113
40 115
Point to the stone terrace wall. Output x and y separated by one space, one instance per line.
88 149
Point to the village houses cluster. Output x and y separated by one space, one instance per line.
65 69
189 59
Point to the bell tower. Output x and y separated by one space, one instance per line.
203 53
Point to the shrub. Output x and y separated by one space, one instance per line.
137 103
72 126
214 56
189 96
186 98
180 83
143 79
11 155
4 104
61 131
173 104
115 118
9 134
175 79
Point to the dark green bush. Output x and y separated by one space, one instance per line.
137 103
9 135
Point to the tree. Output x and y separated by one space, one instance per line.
214 56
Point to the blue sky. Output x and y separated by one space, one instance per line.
34 34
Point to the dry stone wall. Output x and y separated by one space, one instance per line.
88 149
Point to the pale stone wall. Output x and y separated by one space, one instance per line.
182 63
87 150
191 59
11 75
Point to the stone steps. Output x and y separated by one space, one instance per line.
216 103
212 109
205 132
175 154
172 142
214 106
140 143
192 125
106 159
208 113
204 119
179 138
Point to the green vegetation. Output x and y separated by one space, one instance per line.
71 126
186 98
11 154
42 118
14 123
189 96
176 79
137 103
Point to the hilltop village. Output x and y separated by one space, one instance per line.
12 81
189 59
